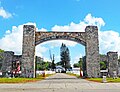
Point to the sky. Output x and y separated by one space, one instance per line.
60 15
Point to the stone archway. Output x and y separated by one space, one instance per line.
89 39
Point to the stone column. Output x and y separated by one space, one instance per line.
28 51
112 64
7 59
92 52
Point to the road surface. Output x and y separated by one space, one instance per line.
61 83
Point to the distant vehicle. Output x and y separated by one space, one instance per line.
60 69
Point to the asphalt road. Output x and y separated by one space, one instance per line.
61 83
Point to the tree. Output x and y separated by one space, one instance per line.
65 56
103 65
52 60
79 64
1 51
58 63
42 65
53 63
39 63
76 65
62 50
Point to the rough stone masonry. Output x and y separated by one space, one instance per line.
28 51
89 38
92 51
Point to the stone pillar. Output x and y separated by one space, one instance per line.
7 59
92 52
112 64
28 51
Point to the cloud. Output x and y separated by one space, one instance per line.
72 27
40 49
42 29
109 41
12 41
80 27
4 13
90 20
57 43
76 59
7 32
46 59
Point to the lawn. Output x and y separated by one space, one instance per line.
18 80
109 80
23 80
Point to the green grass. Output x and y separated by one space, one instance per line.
18 80
109 80
94 79
23 80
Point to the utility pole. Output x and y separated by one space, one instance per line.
52 60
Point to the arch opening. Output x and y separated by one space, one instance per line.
77 52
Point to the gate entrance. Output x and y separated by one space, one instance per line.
89 39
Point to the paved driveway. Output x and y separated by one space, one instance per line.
61 83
